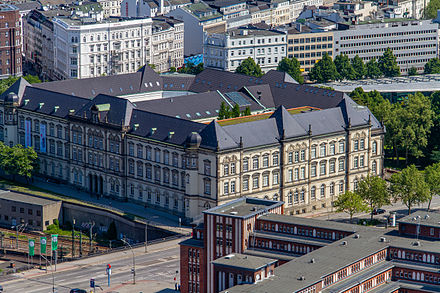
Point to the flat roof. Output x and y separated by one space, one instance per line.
313 223
291 238
431 219
243 261
244 207
8 7
25 198
402 84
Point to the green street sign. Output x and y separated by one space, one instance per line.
31 247
54 240
43 243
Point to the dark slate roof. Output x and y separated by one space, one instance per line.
164 125
17 87
215 137
197 106
286 124
256 133
118 110
177 82
32 98
263 93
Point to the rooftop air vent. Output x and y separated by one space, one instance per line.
234 213
229 256
312 260
357 236
344 243
383 239
301 278
416 243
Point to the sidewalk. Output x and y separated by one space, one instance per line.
153 216
143 286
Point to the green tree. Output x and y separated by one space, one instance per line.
32 78
223 112
432 66
388 64
249 67
373 190
190 68
235 111
373 69
18 160
173 69
416 121
432 178
412 71
343 67
359 70
324 70
350 203
431 9
246 112
410 187
291 66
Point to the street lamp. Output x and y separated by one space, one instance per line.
51 269
133 270
17 228
146 231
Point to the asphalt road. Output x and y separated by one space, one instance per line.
159 264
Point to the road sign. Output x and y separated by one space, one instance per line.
43 242
92 283
31 247
54 240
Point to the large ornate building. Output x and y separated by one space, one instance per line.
131 137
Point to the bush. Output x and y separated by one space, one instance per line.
365 222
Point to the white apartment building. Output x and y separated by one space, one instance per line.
114 46
226 51
150 8
297 7
413 42
110 7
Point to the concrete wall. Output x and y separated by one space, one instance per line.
132 230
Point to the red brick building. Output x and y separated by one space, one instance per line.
250 246
10 41
421 224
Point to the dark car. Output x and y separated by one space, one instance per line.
1 288
78 291
378 211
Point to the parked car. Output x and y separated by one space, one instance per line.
378 211
76 290
1 288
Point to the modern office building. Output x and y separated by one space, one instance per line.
307 45
248 245
131 137
414 42
10 41
226 51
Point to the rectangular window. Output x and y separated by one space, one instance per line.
361 161
233 186
275 160
290 158
245 164
255 163
232 168
290 175
265 161
323 169
296 156
313 170
296 173
255 182
265 180
341 165
341 147
322 150
303 155
332 167
362 144
356 162
226 170
275 178
303 172
226 188
356 145
332 149
245 184
313 152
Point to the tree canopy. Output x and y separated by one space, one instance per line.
350 203
7 82
18 160
190 68
412 71
291 66
410 187
431 9
249 67
372 69
432 178
388 64
432 66
373 190
324 70
359 69
343 67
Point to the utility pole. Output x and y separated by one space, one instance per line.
73 238
92 224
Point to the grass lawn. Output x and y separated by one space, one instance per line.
257 117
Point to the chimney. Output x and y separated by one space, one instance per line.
298 27
161 7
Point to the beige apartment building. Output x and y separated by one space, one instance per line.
308 46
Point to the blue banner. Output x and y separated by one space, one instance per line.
43 138
27 133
